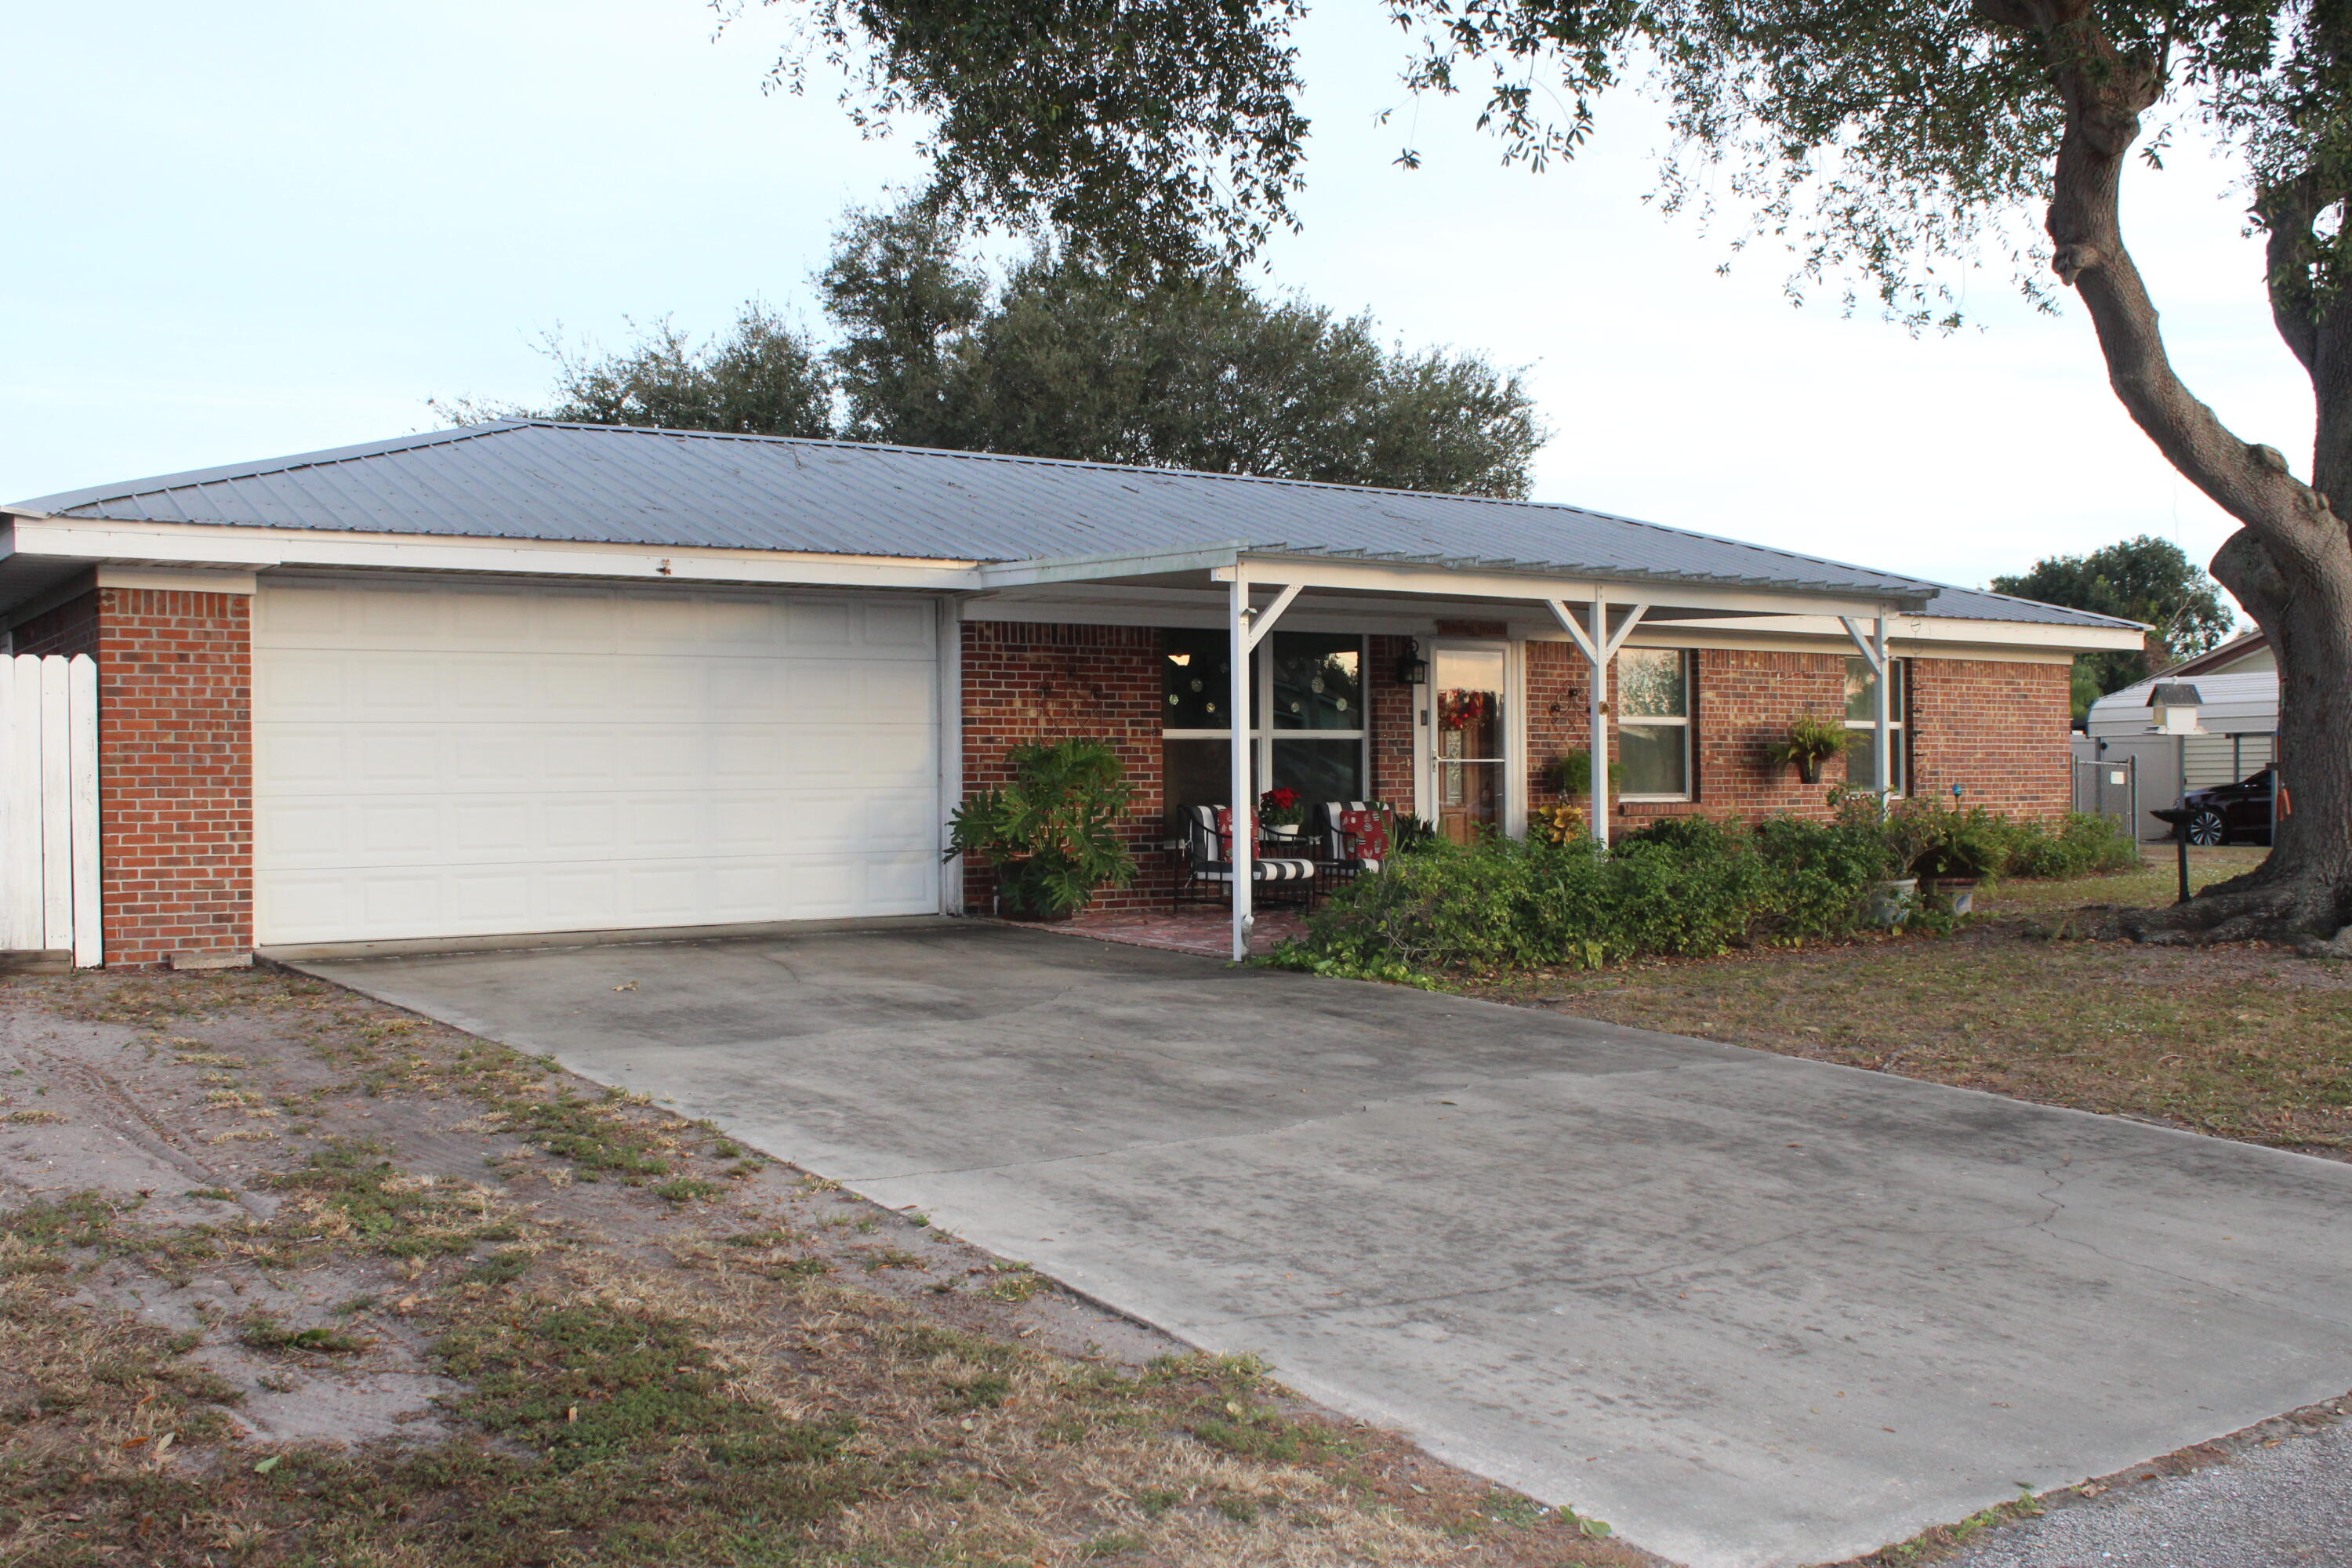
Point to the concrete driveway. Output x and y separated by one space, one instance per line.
1750 1309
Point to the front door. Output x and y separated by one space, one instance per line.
1467 751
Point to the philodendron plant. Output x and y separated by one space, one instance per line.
1054 833
1811 740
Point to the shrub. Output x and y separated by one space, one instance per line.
1055 834
1686 887
2084 844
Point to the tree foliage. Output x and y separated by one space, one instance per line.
1067 357
1070 358
765 378
1880 143
2146 579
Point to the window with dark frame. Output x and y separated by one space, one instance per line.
1308 715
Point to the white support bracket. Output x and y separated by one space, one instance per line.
1599 645
1261 622
1873 654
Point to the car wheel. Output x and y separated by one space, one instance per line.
2206 827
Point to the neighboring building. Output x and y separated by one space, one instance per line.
2237 723
532 677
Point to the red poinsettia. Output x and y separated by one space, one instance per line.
1281 808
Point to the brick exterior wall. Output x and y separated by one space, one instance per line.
69 629
1392 722
175 770
1998 728
1031 681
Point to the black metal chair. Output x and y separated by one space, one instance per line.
1341 855
1209 865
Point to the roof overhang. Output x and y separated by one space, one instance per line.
43 556
1329 577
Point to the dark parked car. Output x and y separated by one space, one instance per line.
2231 813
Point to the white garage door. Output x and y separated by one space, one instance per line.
450 761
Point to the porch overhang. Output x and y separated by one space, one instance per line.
1328 579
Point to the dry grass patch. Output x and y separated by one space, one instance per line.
656 1355
2243 1042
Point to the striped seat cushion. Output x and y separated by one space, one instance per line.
1260 871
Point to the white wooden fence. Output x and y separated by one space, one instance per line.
48 806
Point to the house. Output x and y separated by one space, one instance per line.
2235 733
529 677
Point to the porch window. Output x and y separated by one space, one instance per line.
1862 717
1654 728
1307 727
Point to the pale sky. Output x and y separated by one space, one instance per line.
252 230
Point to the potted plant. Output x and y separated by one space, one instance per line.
1949 850
1811 740
1053 835
1281 811
1570 773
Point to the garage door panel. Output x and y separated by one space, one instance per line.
462 760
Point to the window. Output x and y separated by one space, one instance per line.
1307 725
1654 727
1862 716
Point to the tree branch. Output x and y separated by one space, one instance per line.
2105 91
2287 212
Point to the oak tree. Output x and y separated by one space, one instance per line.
1875 138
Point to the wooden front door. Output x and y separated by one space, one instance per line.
1466 752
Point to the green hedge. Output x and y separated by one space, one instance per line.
1693 888
1682 887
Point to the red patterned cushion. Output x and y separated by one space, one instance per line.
1367 834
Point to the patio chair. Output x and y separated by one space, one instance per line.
1209 864
1352 837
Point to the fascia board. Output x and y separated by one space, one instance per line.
1108 568
1955 629
257 549
1532 587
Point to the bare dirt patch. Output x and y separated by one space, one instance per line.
290 1276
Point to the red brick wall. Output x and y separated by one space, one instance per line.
71 628
1997 729
175 772
1392 720
1031 681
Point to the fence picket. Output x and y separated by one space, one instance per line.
20 779
81 698
57 809
49 801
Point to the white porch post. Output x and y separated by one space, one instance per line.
1873 654
1599 646
1883 772
1237 711
1596 731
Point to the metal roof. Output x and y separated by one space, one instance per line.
544 479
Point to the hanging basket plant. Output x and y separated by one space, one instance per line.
1811 740
1571 774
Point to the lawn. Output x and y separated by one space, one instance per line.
286 1276
2245 1042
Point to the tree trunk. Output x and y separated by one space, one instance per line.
2290 563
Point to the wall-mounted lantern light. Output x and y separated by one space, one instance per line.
1413 670
2174 705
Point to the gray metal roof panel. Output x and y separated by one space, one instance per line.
1983 604
610 484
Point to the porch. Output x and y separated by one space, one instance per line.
1434 685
